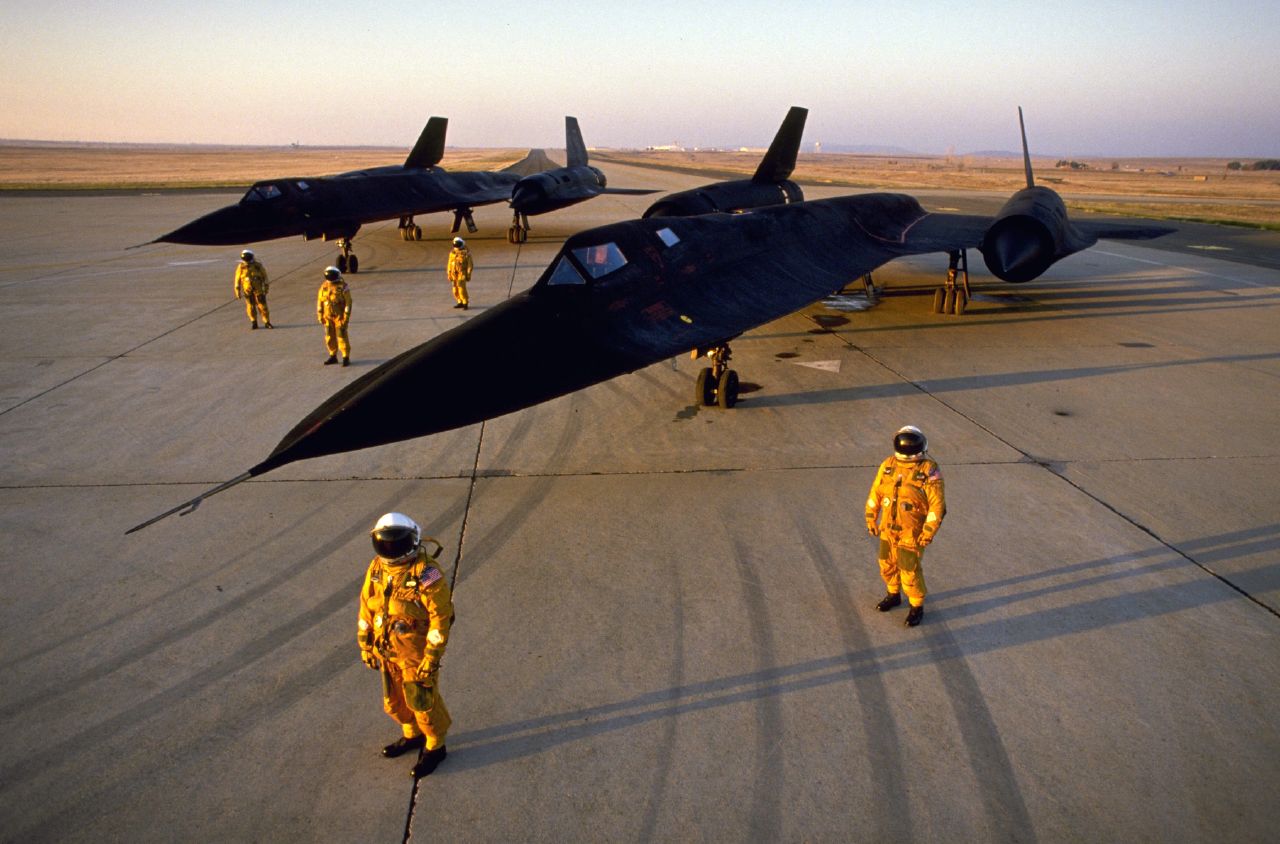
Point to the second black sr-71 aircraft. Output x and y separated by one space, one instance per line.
561 187
623 296
334 207
770 185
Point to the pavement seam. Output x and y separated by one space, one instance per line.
457 557
160 336
1055 473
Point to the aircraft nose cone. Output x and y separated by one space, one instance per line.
446 382
225 227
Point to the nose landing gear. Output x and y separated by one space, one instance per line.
717 384
519 231
347 261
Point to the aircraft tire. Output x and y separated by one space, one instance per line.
962 302
705 390
417 232
353 265
938 296
949 302
727 391
342 263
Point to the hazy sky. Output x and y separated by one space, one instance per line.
1128 78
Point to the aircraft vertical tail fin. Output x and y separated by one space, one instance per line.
1026 154
574 148
780 160
429 149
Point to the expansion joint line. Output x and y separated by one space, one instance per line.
457 558
160 336
1060 476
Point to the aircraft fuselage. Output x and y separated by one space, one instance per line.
334 207
615 299
556 189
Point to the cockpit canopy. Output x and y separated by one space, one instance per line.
585 263
593 262
268 191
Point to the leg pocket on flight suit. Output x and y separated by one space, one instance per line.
420 697
884 549
908 559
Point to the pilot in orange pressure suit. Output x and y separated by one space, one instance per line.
904 510
406 610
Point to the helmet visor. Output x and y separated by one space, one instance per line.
394 542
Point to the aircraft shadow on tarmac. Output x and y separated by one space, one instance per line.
940 642
981 382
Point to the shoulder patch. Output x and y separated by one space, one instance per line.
430 575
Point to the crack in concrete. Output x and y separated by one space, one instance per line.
1052 470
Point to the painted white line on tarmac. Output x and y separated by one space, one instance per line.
1180 267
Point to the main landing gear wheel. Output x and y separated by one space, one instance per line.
704 391
717 384
727 389
953 298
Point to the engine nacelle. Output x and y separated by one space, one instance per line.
1029 235
740 195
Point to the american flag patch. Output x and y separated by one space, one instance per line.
430 575
935 474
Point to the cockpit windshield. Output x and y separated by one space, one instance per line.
600 260
565 274
261 192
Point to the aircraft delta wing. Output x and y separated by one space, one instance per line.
771 184
627 295
561 187
334 207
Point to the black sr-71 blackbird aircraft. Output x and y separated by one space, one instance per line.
771 184
554 189
623 296
334 207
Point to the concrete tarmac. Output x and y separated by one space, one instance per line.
665 627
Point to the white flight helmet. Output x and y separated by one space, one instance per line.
332 273
395 537
459 242
246 255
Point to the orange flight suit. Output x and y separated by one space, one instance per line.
459 272
333 311
251 285
405 615
905 507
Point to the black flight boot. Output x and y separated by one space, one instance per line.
269 325
889 601
346 361
330 359
253 325
401 746
428 762
914 615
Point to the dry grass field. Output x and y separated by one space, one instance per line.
1201 189
1195 189
115 167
